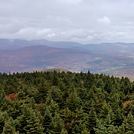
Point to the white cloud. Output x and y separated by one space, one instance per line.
104 20
76 20
51 35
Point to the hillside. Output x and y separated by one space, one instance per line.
110 58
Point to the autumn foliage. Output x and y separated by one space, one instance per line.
125 103
11 96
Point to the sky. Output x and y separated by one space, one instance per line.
83 21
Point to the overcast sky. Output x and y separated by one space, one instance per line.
84 21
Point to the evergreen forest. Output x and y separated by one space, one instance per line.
65 103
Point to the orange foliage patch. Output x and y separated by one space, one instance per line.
125 103
11 96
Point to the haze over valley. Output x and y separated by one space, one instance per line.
109 58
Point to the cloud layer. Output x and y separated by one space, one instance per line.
84 21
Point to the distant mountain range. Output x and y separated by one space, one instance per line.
109 58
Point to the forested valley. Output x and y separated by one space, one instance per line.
65 103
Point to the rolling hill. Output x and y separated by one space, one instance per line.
109 58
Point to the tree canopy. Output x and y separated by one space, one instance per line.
65 103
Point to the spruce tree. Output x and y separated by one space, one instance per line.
9 127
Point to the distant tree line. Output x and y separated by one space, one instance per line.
65 103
